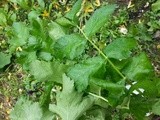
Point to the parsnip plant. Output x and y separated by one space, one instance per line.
111 83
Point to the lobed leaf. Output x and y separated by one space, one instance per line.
70 104
26 110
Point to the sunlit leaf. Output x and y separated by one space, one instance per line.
98 19
70 104
4 59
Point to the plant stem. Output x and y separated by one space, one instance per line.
100 97
101 53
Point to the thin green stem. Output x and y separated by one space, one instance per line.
101 53
100 97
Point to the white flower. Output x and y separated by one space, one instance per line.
123 30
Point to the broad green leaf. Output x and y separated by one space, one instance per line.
56 31
41 3
82 72
48 115
33 15
38 28
155 6
20 35
105 84
156 108
139 68
45 56
75 9
3 19
139 106
115 90
98 19
26 110
47 71
70 104
64 22
25 58
4 59
120 48
147 88
70 46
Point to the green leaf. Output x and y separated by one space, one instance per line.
75 9
45 97
22 3
4 59
98 19
155 6
120 48
70 104
38 28
56 31
20 34
3 19
148 87
47 71
156 108
139 106
139 68
41 3
26 110
70 46
45 56
25 58
64 22
95 113
105 84
115 90
48 115
82 72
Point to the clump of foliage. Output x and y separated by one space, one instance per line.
82 77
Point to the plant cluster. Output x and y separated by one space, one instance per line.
87 70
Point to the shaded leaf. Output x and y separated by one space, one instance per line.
139 106
70 104
148 87
156 108
98 19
